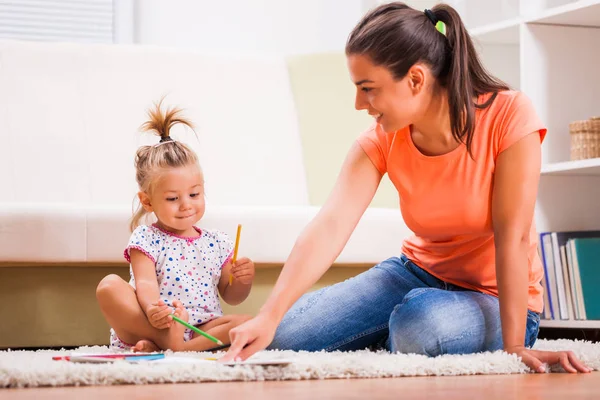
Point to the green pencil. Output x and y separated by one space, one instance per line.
192 327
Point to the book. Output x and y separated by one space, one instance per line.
586 261
109 357
160 358
264 362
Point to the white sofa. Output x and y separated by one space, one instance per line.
69 127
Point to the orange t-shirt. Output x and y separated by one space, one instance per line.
446 200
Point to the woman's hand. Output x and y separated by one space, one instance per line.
250 337
535 359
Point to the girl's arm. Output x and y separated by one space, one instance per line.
239 290
146 290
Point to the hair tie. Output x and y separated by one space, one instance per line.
431 16
439 25
163 140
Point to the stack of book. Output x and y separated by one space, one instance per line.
571 275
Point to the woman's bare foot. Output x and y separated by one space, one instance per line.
145 346
176 331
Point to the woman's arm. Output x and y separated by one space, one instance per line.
323 239
513 202
317 247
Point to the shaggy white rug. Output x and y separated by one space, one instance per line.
36 368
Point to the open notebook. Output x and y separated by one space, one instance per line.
163 359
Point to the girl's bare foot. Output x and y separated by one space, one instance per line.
145 346
177 330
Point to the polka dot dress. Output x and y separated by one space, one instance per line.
188 269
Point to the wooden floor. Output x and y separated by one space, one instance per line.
490 387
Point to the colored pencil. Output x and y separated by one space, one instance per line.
198 331
235 251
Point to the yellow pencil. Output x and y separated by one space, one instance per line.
235 251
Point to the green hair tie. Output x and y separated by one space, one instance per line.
441 27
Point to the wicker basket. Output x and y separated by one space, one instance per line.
585 139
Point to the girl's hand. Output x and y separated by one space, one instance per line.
159 315
243 271
535 359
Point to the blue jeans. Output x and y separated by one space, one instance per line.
400 307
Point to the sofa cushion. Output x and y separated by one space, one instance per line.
65 233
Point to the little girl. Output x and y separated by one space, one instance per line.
175 267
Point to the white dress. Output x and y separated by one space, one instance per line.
188 269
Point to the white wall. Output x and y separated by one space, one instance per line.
245 26
502 60
256 26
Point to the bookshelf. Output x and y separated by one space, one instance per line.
589 167
550 50
557 323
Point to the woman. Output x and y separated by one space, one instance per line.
464 153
